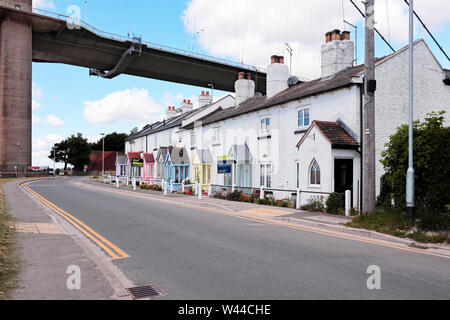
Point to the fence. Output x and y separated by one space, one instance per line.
301 197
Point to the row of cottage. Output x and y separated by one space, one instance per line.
303 135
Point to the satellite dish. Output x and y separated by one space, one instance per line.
292 81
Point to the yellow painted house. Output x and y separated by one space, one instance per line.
201 165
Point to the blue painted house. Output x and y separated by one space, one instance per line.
177 166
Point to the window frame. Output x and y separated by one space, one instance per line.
264 127
302 110
265 175
316 167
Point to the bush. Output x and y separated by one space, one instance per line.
315 204
390 221
234 196
430 221
335 204
431 163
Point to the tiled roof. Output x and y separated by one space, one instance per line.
95 160
133 155
148 158
121 159
179 156
204 156
335 133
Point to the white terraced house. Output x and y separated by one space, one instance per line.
304 135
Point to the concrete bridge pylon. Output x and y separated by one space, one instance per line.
15 89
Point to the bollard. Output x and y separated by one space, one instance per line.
210 191
196 188
199 191
164 185
134 183
261 193
117 183
298 204
348 204
182 186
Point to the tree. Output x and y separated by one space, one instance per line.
113 142
134 131
61 153
431 164
74 150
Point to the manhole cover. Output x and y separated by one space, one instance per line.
149 291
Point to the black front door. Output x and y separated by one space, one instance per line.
343 175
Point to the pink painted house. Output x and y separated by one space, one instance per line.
148 172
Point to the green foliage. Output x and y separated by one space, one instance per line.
335 204
113 142
315 204
390 221
234 196
74 150
431 163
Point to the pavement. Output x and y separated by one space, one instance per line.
222 250
48 247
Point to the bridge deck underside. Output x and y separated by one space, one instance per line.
54 42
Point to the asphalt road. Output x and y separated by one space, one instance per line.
192 254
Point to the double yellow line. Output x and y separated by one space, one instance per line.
112 250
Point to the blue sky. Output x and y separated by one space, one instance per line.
249 30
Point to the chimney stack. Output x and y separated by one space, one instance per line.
337 52
244 88
277 76
204 99
170 112
186 106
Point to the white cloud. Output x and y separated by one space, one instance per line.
54 121
42 147
36 120
251 31
43 4
37 94
127 105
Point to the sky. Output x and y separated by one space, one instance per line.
66 100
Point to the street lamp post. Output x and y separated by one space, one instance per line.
54 161
410 173
103 155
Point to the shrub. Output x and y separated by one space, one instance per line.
389 221
315 204
431 221
143 186
335 204
431 163
233 196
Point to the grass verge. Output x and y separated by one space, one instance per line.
9 266
396 223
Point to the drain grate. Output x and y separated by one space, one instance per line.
149 291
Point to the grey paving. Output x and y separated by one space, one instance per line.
45 258
194 254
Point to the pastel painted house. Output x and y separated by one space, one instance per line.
160 173
121 166
148 171
134 165
202 163
177 166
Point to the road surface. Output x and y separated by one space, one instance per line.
193 254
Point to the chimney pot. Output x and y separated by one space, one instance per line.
328 36
241 75
274 59
207 93
345 35
281 59
336 34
